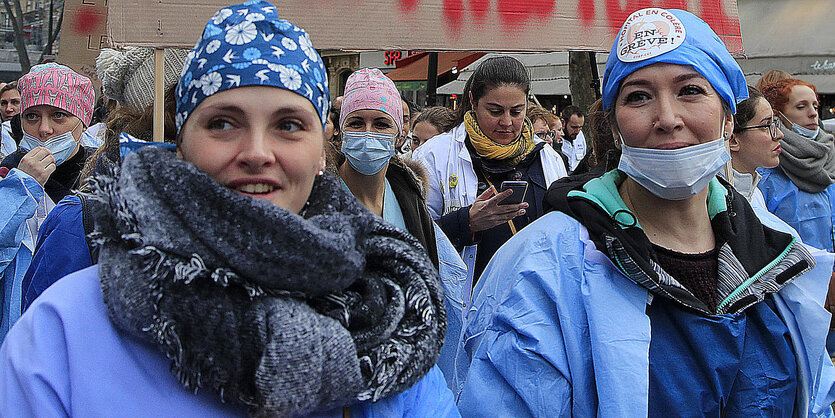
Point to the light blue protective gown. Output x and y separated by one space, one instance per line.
811 214
19 197
558 330
65 358
7 143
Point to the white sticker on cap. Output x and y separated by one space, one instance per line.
649 33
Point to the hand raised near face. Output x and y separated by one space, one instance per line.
38 163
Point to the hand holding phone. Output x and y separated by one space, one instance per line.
520 188
488 210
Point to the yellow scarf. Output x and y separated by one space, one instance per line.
513 153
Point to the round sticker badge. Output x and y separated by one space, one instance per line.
649 33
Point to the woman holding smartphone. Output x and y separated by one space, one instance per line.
493 142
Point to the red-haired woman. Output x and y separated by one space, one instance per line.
799 191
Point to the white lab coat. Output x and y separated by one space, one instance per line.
574 151
453 182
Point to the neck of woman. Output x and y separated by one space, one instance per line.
369 190
679 225
741 167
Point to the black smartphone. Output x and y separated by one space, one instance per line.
519 190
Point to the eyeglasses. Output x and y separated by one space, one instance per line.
547 134
771 126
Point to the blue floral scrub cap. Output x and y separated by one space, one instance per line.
672 36
249 45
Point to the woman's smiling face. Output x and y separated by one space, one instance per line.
264 142
668 106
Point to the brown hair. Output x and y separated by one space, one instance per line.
440 117
771 77
570 110
536 113
602 140
746 109
777 93
501 70
134 122
12 85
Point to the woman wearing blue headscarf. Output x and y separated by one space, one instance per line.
234 276
654 289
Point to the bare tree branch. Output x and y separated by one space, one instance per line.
17 26
51 40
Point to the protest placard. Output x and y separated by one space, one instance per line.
436 25
83 35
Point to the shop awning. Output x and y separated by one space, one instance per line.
416 67
789 35
548 72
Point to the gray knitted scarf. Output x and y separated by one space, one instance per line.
286 314
809 163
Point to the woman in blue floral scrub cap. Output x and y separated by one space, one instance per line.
235 277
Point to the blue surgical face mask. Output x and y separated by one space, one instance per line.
678 173
802 131
61 146
368 152
808 133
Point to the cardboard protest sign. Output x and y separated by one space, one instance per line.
83 35
437 25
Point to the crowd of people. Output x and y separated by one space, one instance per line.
284 254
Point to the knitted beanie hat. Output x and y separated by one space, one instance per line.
59 86
128 76
369 88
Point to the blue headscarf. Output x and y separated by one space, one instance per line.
672 36
249 45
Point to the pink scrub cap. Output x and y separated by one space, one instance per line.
369 88
57 85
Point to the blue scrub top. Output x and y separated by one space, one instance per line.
391 208
65 358
728 365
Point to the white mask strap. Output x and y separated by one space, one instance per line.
729 169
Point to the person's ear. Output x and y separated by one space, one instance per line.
729 125
733 143
616 136
472 102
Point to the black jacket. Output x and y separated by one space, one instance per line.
771 257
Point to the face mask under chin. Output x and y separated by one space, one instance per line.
675 174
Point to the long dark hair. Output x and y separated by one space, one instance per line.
491 73
136 122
